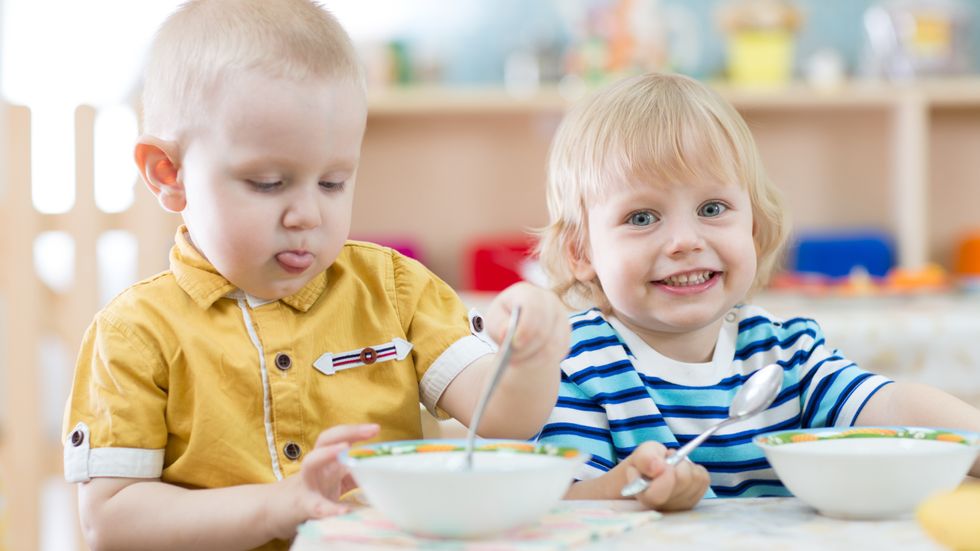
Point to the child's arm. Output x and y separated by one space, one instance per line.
125 513
920 405
675 488
529 386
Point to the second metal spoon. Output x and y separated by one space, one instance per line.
755 396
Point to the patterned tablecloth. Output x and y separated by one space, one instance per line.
731 524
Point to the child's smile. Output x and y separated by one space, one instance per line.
689 283
672 258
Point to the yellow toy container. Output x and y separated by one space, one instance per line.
761 36
760 57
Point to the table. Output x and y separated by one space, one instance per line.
742 524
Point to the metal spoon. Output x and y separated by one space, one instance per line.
505 350
755 396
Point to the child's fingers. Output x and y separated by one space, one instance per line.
659 491
317 461
325 508
691 483
648 458
347 433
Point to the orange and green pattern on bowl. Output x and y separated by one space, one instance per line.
361 452
818 435
429 448
401 448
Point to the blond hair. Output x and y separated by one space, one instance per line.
649 128
205 41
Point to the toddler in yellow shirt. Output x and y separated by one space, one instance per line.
200 394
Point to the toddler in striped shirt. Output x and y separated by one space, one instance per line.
662 224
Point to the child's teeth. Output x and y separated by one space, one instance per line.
684 280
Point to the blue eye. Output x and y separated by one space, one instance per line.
712 209
642 218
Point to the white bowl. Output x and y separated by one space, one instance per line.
869 472
422 487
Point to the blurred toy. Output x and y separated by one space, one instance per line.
910 38
493 264
930 278
761 39
966 262
837 254
405 246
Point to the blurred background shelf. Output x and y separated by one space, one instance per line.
433 99
466 163
465 97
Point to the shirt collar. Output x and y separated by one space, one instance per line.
202 282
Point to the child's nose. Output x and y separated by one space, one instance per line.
303 212
684 238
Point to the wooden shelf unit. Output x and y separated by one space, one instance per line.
445 166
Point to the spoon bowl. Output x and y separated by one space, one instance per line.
754 397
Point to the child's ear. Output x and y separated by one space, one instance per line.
579 262
156 160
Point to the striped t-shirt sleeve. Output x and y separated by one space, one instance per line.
833 389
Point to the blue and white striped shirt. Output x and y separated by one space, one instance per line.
617 392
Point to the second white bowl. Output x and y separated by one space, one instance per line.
869 472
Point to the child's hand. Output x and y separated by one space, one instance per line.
314 492
674 488
543 332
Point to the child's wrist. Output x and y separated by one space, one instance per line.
281 511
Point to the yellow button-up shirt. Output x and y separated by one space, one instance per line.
185 378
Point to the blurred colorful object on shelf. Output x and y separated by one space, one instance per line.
405 246
494 263
967 258
917 38
836 254
761 40
930 277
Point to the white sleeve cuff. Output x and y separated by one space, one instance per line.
448 365
82 463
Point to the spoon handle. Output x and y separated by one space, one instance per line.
640 483
498 371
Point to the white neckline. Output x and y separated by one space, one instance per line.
654 364
253 302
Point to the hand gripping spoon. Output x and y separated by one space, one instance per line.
755 396
505 350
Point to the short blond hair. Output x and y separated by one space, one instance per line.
649 128
205 41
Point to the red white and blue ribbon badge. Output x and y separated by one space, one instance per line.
396 349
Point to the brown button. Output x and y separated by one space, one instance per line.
77 438
283 361
478 324
368 356
292 451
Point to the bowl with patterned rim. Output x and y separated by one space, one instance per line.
869 472
423 487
